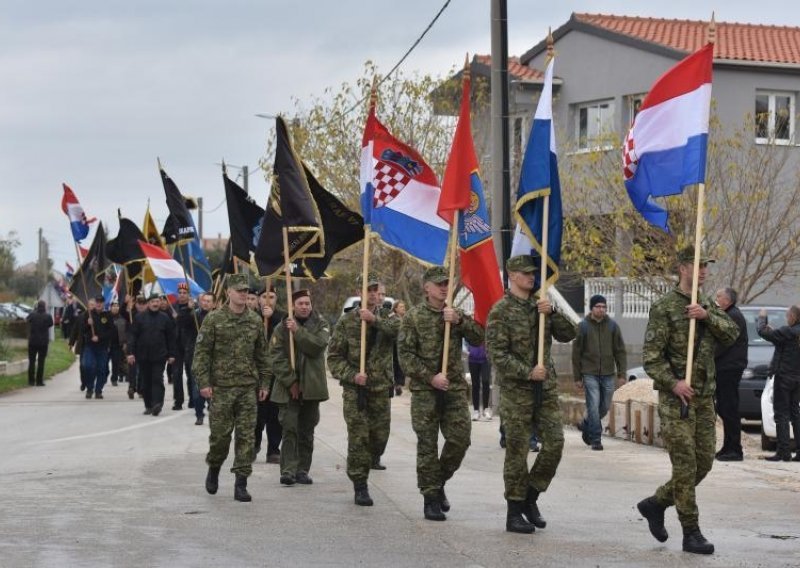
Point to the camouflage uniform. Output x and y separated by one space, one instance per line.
512 336
299 417
367 430
419 346
691 441
231 356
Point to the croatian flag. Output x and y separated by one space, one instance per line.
539 178
400 194
168 272
665 149
78 221
462 191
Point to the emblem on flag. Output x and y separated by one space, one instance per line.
393 171
630 161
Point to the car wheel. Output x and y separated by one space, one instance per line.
767 443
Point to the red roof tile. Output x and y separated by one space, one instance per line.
515 68
743 42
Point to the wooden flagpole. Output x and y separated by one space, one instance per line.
289 305
450 287
362 359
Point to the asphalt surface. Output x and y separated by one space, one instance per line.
95 483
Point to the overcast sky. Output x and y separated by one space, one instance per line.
91 91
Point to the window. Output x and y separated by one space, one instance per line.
634 104
774 117
595 121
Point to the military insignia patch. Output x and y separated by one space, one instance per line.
103 320
199 338
650 335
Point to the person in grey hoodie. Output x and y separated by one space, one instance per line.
598 356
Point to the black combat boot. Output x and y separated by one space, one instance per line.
240 489
515 522
651 510
433 509
531 510
695 542
362 497
443 502
212 480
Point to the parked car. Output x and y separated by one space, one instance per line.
768 430
759 355
9 311
352 301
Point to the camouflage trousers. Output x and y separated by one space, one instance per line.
690 443
298 419
451 415
519 420
367 430
234 408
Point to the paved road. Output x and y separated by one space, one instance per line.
95 483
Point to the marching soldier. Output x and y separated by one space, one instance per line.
299 390
688 435
529 398
230 366
438 400
366 401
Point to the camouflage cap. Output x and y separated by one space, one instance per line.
238 282
521 263
372 279
686 255
436 274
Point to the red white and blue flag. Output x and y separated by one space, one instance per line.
78 221
168 272
400 194
665 149
462 190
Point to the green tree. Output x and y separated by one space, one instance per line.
7 258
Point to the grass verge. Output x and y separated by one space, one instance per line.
59 358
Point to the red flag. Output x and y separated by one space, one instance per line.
462 190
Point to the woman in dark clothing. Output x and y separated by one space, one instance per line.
39 322
481 375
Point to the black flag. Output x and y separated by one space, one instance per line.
341 226
298 211
124 248
179 227
244 217
92 276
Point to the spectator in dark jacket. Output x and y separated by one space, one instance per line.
69 316
39 322
786 368
730 363
151 344
481 374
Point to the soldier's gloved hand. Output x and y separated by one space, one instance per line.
440 382
366 315
262 395
539 373
207 392
544 307
360 379
450 315
683 391
294 391
696 311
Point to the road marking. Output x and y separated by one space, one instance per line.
111 432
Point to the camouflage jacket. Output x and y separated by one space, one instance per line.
666 342
512 341
310 341
230 351
421 342
345 349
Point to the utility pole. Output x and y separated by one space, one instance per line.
200 217
501 175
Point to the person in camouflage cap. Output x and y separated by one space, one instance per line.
366 402
230 366
529 398
688 436
439 401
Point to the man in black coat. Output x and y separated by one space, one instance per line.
186 333
96 329
730 363
151 345
267 416
39 324
786 368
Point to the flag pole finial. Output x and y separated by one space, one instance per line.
224 168
711 32
373 93
466 75
550 44
158 160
